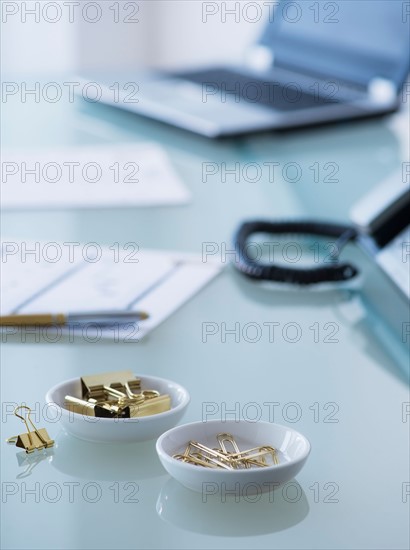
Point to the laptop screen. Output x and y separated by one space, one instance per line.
355 40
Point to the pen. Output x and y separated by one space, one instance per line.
98 317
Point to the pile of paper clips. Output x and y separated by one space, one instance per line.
228 459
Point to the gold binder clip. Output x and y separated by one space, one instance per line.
33 439
92 407
152 405
117 395
93 383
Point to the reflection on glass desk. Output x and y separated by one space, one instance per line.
342 382
236 515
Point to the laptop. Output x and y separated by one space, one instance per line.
313 64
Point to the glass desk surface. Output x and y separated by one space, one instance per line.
348 393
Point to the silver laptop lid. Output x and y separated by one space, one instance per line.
358 41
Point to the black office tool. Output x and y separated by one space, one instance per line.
380 227
333 272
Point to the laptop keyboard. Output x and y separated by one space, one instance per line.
284 97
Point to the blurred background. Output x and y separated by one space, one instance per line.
59 37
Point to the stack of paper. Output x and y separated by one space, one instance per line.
90 177
151 281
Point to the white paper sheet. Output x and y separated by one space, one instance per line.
156 282
90 177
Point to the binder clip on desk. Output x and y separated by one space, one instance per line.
34 439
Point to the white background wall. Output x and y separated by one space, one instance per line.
30 44
60 37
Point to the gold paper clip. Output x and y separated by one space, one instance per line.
209 458
214 456
222 438
255 453
192 459
201 455
33 439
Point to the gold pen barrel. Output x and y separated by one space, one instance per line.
102 318
46 319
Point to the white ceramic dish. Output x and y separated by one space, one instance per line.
293 451
110 430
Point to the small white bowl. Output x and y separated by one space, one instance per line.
293 449
109 430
